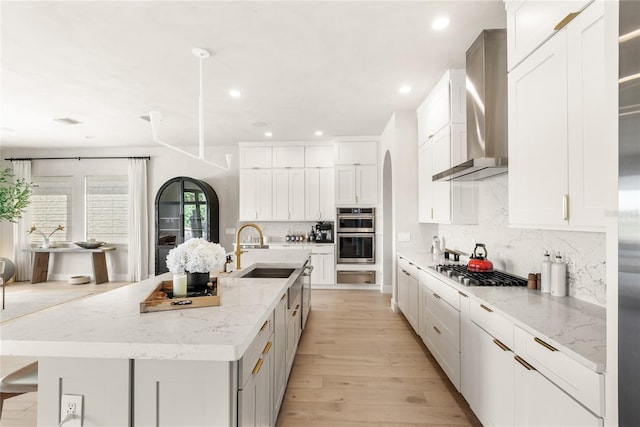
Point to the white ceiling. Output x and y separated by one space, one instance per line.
301 66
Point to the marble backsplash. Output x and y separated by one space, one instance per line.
519 251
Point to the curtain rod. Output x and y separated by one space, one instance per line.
11 159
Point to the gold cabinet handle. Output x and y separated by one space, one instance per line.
294 313
283 297
501 345
544 344
521 361
565 207
297 306
437 330
267 348
464 295
266 322
486 308
256 369
436 295
430 136
565 21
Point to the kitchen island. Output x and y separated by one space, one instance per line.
182 367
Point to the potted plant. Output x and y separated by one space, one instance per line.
197 258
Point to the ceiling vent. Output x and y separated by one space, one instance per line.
67 121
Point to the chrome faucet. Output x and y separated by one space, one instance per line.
239 252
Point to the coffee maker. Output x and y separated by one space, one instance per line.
324 232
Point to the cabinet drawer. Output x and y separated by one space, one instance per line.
447 355
254 352
446 319
577 380
496 325
408 266
321 249
446 292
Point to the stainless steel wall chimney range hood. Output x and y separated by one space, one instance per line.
486 110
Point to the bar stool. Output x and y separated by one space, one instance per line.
24 380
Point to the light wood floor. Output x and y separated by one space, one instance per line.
359 364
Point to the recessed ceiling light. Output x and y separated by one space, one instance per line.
440 23
234 93
318 133
67 121
404 89
268 134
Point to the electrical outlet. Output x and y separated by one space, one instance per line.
71 410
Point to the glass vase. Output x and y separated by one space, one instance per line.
179 285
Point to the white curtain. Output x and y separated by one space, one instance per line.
138 221
22 260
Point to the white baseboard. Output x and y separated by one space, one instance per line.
386 289
394 306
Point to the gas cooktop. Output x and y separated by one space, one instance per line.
472 278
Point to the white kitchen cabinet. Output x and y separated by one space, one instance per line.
495 381
425 184
294 329
288 157
323 260
531 22
409 292
255 403
288 194
356 185
468 367
538 402
560 166
445 104
318 156
279 354
319 199
255 194
255 157
356 153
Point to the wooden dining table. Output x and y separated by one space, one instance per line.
41 261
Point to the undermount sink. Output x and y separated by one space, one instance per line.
267 273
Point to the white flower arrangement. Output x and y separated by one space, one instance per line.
196 256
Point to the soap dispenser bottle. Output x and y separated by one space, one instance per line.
545 273
559 277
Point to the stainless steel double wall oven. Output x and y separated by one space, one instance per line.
355 233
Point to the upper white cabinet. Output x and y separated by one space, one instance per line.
561 167
445 104
531 22
443 144
255 157
356 185
255 195
356 153
318 156
288 194
319 200
288 157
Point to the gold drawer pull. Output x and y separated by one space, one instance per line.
524 363
565 207
283 297
297 306
267 348
266 322
565 20
257 367
463 294
294 313
502 346
486 308
544 344
436 329
436 295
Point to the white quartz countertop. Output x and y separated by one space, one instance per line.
110 325
575 327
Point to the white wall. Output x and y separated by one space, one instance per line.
164 165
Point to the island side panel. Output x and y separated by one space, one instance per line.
103 383
177 393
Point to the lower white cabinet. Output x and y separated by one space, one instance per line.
324 267
255 403
494 406
539 402
294 329
408 293
279 353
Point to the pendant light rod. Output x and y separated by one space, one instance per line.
155 118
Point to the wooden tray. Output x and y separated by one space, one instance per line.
161 298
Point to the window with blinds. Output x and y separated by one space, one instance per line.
107 208
50 206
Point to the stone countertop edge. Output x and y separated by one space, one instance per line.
110 325
552 319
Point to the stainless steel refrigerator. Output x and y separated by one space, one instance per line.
629 216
